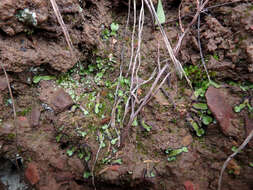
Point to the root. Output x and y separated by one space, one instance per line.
245 142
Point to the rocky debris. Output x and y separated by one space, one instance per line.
32 35
222 111
34 117
55 97
189 185
22 53
232 165
32 173
214 33
215 65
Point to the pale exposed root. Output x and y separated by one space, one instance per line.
14 112
64 28
245 142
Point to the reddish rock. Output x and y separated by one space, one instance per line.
76 166
189 185
23 122
58 162
34 117
60 100
32 173
222 111
56 98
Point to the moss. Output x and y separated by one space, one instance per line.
11 136
24 112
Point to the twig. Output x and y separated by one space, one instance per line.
63 26
199 43
179 16
179 43
245 142
101 139
14 112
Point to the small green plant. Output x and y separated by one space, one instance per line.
173 153
207 119
198 130
106 33
216 57
118 161
37 79
86 175
245 104
114 29
145 126
200 106
71 151
160 13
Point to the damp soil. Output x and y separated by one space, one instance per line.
62 137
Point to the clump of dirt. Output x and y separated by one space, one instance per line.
64 133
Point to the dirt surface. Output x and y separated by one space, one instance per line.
63 135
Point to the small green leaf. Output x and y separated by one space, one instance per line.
152 174
214 84
97 106
145 126
234 148
86 175
200 106
170 159
199 131
118 161
135 123
207 119
113 141
87 158
114 27
37 79
160 12
251 164
71 151
239 108
58 137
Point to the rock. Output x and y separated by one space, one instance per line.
23 122
32 173
222 111
76 166
58 162
187 140
34 117
55 97
61 100
215 65
189 185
